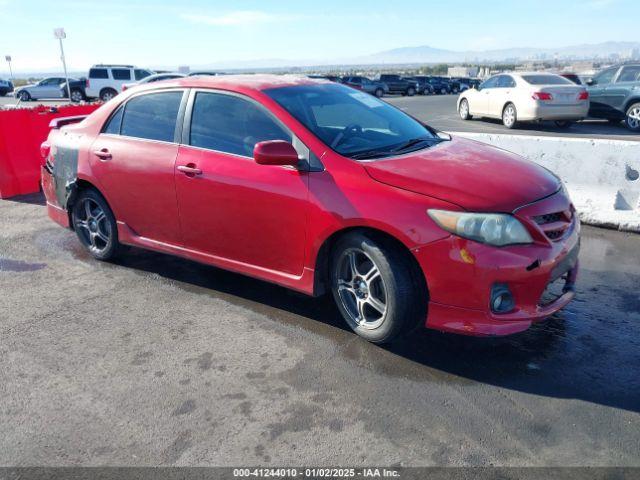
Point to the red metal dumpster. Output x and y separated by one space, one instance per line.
22 131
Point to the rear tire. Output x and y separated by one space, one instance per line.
632 117
107 94
411 91
509 116
95 225
376 287
379 92
463 109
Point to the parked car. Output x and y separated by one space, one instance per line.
400 85
525 97
6 86
105 81
367 85
439 84
423 87
320 188
77 88
45 88
205 73
156 77
615 95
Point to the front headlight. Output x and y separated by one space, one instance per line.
497 229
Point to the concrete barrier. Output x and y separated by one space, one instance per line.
602 176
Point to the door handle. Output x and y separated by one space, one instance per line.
103 154
190 170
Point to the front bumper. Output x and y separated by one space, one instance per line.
460 275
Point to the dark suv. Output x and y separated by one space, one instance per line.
615 95
365 84
398 84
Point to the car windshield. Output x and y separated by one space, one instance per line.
353 123
545 80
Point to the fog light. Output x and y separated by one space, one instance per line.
501 298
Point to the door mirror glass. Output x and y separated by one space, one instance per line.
590 81
275 152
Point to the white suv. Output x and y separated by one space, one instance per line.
105 81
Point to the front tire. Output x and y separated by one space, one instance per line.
375 287
509 116
411 91
95 225
379 92
632 117
24 96
463 109
76 96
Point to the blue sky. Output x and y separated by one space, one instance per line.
158 33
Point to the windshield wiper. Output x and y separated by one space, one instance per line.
371 154
411 143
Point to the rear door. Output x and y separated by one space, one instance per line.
134 159
232 208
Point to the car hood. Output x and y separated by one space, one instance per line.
472 175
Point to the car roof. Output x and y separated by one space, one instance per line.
247 82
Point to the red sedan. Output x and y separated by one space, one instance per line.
319 187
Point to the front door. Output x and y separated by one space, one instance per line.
134 159
231 207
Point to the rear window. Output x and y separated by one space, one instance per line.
152 116
140 73
98 73
546 80
630 74
121 74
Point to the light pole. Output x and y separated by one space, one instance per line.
8 59
59 34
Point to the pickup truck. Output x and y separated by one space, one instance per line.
78 92
615 95
398 84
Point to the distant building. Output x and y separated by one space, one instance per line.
462 71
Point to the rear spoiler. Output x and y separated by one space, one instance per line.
57 123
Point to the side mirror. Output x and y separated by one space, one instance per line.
590 81
275 152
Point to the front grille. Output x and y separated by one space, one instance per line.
554 225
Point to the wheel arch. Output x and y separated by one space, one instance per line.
77 187
628 104
323 257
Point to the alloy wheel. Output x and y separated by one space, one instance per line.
76 96
464 109
633 118
92 226
509 116
361 289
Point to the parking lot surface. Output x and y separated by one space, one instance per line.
155 360
440 111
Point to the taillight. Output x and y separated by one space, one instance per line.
86 83
124 87
583 95
45 149
542 96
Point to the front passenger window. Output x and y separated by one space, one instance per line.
230 124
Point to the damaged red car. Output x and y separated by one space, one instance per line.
323 189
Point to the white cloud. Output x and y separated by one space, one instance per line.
240 18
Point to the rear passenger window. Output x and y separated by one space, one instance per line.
230 124
98 73
113 125
152 116
629 74
121 74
